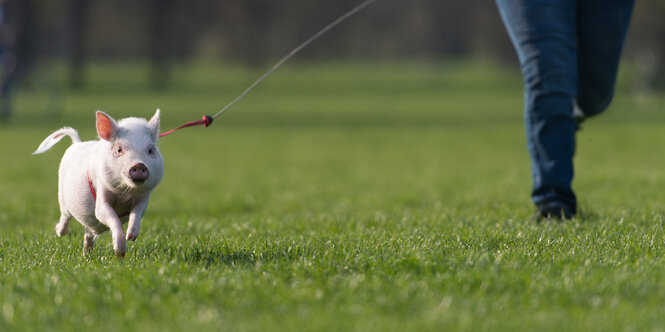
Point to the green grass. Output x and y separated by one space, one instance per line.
366 197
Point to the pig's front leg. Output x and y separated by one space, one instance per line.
107 216
135 219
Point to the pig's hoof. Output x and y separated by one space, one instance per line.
87 249
120 254
132 236
61 230
120 248
119 244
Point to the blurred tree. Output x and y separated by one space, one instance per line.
17 35
257 31
257 25
79 12
161 26
646 45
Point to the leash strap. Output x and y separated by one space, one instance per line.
279 63
206 121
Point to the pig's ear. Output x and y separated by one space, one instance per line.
153 124
106 126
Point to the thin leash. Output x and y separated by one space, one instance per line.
207 119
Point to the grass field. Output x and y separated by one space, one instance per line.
337 197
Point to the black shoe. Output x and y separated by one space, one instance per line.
553 210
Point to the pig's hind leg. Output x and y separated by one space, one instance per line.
62 228
88 241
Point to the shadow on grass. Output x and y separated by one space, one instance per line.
222 254
219 256
587 215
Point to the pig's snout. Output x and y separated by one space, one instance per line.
139 173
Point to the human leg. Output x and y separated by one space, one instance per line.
602 28
544 35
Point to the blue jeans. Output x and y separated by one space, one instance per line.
569 50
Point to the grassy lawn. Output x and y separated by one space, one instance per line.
366 197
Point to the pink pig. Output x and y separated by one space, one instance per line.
108 182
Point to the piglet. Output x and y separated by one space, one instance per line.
106 183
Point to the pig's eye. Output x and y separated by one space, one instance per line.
117 150
151 150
